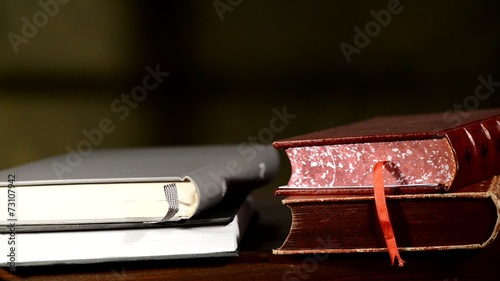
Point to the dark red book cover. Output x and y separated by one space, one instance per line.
464 219
450 150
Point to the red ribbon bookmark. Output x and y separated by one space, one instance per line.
383 213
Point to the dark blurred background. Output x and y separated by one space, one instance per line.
233 64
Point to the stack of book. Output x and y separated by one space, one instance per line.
416 182
130 204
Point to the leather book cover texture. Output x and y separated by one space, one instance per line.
465 219
451 150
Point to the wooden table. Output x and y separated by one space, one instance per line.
256 262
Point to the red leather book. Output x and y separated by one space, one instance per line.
431 151
339 191
468 218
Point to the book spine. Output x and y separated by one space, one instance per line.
477 151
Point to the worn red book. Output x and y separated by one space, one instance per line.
427 180
427 150
468 218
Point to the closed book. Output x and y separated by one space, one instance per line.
328 222
153 184
439 182
448 150
212 233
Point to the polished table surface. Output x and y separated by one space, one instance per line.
256 262
451 265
